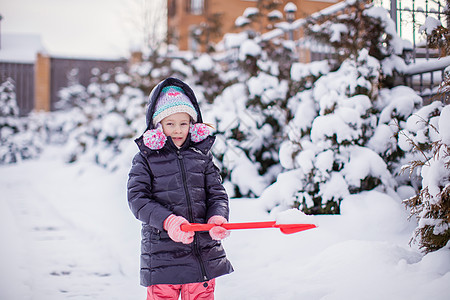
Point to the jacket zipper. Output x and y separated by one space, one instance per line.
191 218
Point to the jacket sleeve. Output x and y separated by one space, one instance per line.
216 196
139 193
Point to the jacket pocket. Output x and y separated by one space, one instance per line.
155 235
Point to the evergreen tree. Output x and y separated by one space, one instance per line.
254 96
332 133
18 139
427 135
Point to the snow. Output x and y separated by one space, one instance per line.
337 30
243 169
381 13
203 63
402 101
241 21
294 216
68 233
382 140
316 68
249 48
364 162
444 125
250 12
429 25
275 14
325 127
290 7
423 65
234 40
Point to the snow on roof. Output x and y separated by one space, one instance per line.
20 47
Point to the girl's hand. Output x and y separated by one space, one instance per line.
173 226
218 232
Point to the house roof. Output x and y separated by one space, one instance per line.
21 48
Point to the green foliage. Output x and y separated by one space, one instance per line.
352 30
432 211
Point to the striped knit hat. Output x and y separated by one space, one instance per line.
172 100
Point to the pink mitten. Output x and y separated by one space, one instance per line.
173 226
218 232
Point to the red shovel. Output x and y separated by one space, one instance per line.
285 228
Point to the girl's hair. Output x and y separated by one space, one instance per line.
207 124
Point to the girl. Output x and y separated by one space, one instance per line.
173 181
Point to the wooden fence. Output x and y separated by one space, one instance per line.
65 71
23 76
62 70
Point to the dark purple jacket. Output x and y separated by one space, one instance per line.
184 182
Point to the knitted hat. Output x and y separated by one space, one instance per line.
171 100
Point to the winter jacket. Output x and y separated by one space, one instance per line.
184 182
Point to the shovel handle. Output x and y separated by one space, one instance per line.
285 228
228 226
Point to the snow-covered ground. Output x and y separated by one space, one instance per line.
67 233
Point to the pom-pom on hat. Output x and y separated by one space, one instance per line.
171 100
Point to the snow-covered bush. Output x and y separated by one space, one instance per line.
325 149
19 139
8 103
341 140
251 110
263 16
208 78
438 37
110 112
427 133
103 117
360 26
250 114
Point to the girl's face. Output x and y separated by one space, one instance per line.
177 126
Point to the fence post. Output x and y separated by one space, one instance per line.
42 83
135 58
393 12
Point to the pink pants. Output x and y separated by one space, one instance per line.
190 291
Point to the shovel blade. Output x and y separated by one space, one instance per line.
294 228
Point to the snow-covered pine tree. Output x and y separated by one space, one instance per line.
427 137
254 104
207 77
104 112
328 153
8 103
18 140
110 111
